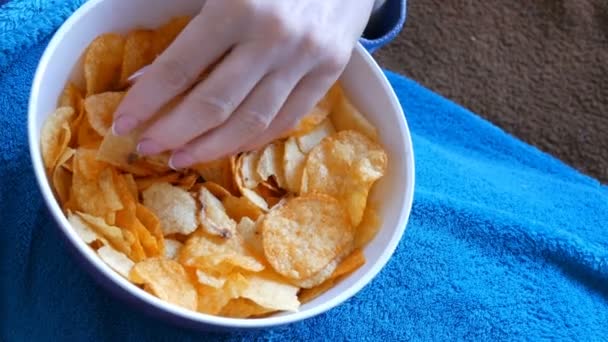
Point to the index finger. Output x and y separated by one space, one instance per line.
176 69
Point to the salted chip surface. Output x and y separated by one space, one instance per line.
100 110
139 51
172 248
345 166
118 261
293 165
55 135
239 207
218 172
211 299
86 233
345 116
305 234
118 238
174 207
213 216
212 253
249 230
311 139
248 169
102 62
243 308
271 292
270 164
209 279
167 280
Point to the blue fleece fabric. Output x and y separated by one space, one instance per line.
504 242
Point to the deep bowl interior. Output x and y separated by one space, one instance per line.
363 81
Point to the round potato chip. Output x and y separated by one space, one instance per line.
304 234
345 166
100 110
213 217
102 63
55 135
173 206
139 52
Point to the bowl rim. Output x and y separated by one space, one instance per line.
127 288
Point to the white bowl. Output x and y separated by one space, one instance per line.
363 81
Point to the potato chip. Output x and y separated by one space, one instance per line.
167 280
308 141
369 226
211 300
109 191
345 116
62 178
319 277
212 253
87 137
118 261
146 182
152 224
131 185
139 51
243 308
172 248
119 151
55 135
217 190
86 233
86 189
305 234
206 278
219 172
345 166
270 164
248 169
271 292
165 35
251 234
239 207
293 165
255 198
350 264
174 207
188 181
307 295
213 217
71 97
118 238
102 63
100 110
310 121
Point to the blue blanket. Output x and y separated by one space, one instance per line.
504 242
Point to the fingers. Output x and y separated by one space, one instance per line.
210 103
250 120
303 98
173 71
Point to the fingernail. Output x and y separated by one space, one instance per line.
147 147
136 74
180 160
123 125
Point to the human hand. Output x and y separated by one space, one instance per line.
278 58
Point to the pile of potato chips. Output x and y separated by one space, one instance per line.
245 236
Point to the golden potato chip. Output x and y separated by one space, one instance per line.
86 233
172 248
143 245
247 170
239 207
100 110
119 151
319 277
109 191
217 190
310 121
139 51
271 164
152 224
213 217
345 166
71 97
255 198
167 280
62 178
218 172
131 185
211 300
293 165
350 264
146 182
305 234
118 238
369 226
55 135
87 137
102 63
187 181
208 279
86 189
345 116
307 295
173 206
118 261
251 234
243 308
308 141
212 253
269 194
271 292
164 36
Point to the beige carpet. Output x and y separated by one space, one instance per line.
536 68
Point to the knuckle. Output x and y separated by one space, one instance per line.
336 61
312 44
174 74
278 27
254 122
211 111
